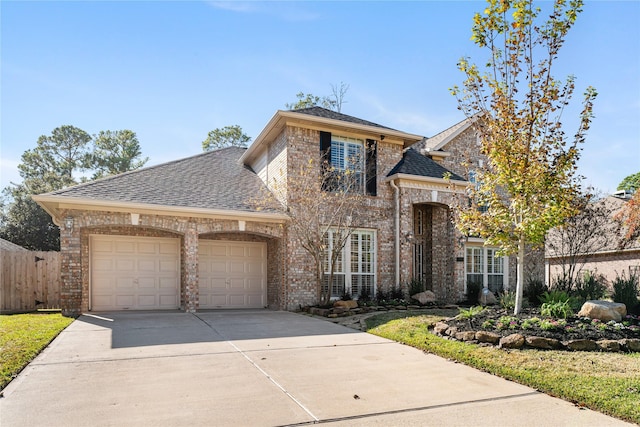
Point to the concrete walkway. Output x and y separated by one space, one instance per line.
259 368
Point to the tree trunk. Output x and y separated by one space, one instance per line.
520 280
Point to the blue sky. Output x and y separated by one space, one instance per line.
172 71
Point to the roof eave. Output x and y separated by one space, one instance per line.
441 181
54 204
280 117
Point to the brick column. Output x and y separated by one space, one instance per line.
190 292
71 292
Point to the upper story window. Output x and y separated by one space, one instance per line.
347 160
358 157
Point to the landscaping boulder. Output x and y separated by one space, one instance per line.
489 337
425 297
631 344
465 336
608 345
512 341
486 297
580 345
603 310
346 304
440 328
543 343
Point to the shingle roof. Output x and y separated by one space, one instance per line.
6 245
329 114
414 163
212 180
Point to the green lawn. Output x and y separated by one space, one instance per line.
22 337
605 382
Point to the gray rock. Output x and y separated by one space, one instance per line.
440 328
424 297
488 337
465 336
580 345
603 310
486 297
630 344
346 304
512 341
608 345
543 343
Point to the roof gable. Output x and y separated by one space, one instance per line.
414 163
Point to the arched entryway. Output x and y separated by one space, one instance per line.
433 248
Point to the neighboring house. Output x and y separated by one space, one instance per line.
187 234
605 253
6 245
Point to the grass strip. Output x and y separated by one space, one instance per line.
23 337
605 382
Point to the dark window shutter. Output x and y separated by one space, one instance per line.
325 147
325 157
371 167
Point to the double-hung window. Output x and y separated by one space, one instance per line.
350 164
485 267
355 267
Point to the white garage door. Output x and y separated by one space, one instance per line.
134 273
232 274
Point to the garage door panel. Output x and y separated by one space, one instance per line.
236 267
231 271
102 264
125 265
168 266
129 273
147 265
124 247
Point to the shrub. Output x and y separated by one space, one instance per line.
507 300
554 296
365 296
534 289
560 310
381 296
625 290
416 286
470 312
473 290
396 293
591 287
346 296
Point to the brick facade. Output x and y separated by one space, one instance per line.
290 269
75 250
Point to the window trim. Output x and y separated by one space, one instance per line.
346 262
485 266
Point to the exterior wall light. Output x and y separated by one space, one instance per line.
68 223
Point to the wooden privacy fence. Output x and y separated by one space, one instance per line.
29 280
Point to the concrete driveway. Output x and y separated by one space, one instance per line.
259 368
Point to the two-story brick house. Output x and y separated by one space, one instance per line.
187 234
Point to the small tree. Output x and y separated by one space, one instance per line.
529 182
581 236
322 202
228 136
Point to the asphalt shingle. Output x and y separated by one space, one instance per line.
329 114
212 180
414 163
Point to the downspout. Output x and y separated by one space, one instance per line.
396 194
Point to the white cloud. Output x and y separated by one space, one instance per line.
288 11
